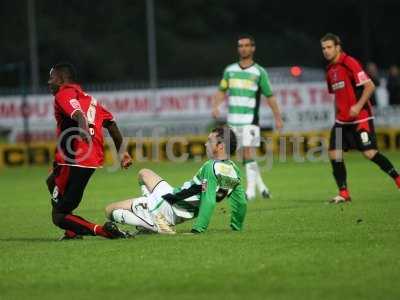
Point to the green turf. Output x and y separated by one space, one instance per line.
294 246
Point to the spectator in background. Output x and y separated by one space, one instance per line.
373 73
393 85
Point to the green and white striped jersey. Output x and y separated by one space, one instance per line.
244 87
197 198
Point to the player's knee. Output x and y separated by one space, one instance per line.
143 173
108 210
50 183
369 154
247 153
331 155
57 218
335 155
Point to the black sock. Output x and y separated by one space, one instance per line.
339 172
385 165
73 223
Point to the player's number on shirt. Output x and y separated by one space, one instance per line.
91 115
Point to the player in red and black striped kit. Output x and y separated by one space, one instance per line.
80 122
354 127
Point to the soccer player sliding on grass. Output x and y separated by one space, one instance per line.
354 125
163 206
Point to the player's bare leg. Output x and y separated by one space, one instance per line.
254 179
121 212
369 154
335 155
386 166
149 178
340 175
125 204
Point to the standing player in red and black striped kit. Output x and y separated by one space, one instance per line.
354 127
80 122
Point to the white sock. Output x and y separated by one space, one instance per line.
251 176
260 183
124 216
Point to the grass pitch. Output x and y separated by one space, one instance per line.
293 246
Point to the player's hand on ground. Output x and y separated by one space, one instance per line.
126 160
355 110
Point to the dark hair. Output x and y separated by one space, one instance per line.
67 69
247 36
331 37
226 136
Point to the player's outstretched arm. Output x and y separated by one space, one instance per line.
218 99
219 96
273 104
207 200
207 206
238 204
115 133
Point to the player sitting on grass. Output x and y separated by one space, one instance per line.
165 206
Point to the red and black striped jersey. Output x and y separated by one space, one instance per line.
71 149
345 79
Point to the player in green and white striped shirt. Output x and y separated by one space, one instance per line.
244 82
166 206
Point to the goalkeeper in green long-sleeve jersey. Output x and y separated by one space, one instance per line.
162 207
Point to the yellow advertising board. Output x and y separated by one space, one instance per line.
185 147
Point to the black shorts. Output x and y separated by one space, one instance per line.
67 184
359 136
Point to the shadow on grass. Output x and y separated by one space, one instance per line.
56 239
291 207
29 239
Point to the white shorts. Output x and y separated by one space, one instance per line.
247 135
147 207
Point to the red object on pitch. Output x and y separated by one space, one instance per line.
345 194
397 180
70 234
296 71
